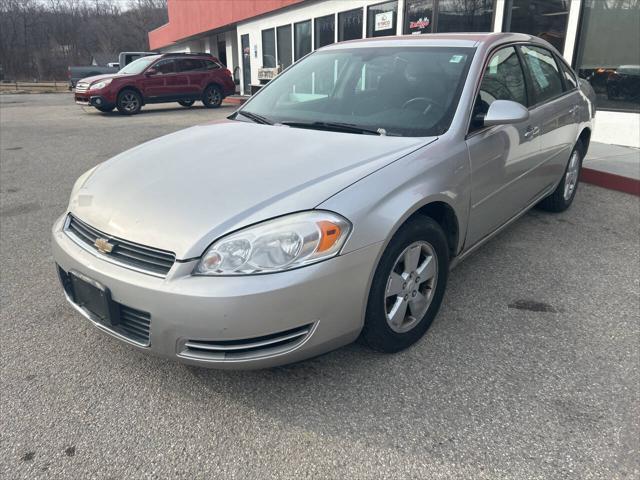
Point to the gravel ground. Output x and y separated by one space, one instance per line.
531 369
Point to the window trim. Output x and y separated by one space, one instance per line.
531 107
528 73
362 33
476 91
560 61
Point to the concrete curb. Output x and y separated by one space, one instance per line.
610 181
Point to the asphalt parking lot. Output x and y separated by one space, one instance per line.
531 370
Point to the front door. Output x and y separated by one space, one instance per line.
246 64
155 86
500 155
222 53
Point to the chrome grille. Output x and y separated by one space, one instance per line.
82 87
131 255
246 348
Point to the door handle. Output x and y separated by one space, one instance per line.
531 132
573 110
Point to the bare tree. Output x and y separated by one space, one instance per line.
40 38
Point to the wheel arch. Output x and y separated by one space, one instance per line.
585 138
131 87
213 83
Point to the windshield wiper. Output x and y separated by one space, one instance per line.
255 117
336 127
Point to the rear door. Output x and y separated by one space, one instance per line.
190 77
500 155
555 110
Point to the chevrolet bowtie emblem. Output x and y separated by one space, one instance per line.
103 245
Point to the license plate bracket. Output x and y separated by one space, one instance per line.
95 298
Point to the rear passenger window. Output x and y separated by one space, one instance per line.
546 79
569 77
211 65
503 79
189 65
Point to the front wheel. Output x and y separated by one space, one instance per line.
186 103
565 192
408 286
212 97
129 102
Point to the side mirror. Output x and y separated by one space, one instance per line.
150 72
504 112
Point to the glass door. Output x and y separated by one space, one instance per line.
546 19
246 64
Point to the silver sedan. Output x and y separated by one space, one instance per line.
331 206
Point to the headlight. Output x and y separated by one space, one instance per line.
100 84
276 245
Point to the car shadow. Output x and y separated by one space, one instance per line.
147 111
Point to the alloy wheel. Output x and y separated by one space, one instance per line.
213 96
410 286
130 102
571 177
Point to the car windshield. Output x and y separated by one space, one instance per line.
406 91
138 66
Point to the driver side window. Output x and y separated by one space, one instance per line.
503 79
164 67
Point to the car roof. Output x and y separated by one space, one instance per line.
468 40
189 55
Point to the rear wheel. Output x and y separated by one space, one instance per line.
565 192
212 96
129 102
106 109
408 286
186 103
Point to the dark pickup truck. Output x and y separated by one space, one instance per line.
76 73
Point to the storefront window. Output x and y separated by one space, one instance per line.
350 25
418 17
269 48
302 39
608 53
382 19
284 45
325 31
466 16
546 19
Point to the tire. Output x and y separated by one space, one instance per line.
186 103
106 109
385 332
129 102
562 197
212 96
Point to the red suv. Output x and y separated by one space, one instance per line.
182 78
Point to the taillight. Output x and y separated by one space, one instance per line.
228 71
69 73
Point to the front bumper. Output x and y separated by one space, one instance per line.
93 100
326 300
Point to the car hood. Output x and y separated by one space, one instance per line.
182 191
95 78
